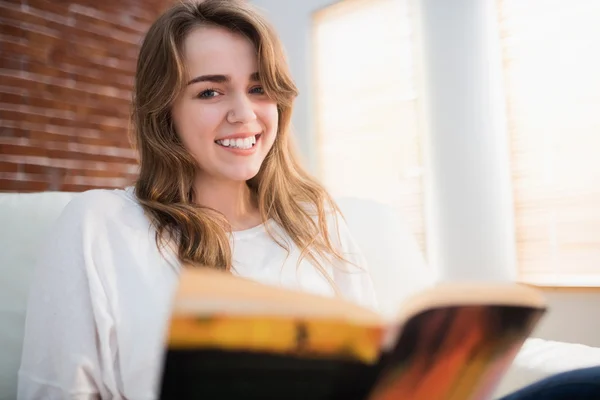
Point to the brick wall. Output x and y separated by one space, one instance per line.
66 72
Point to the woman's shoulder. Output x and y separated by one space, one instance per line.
103 199
104 222
99 206
337 228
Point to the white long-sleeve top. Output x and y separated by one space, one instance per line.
100 298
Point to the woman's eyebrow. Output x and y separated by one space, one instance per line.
216 78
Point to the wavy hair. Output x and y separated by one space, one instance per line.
284 191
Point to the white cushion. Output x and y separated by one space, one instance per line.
393 256
398 271
396 264
24 220
539 359
397 267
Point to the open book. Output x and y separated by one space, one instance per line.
233 338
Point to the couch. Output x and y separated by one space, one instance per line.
396 264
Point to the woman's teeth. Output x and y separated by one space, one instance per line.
245 143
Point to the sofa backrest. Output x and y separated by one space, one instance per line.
396 264
24 221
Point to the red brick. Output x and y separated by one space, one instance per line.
23 150
10 97
64 172
13 12
7 185
77 188
49 9
12 61
13 31
39 150
103 125
97 173
63 87
8 167
84 107
71 155
21 48
38 169
96 76
65 90
54 137
10 79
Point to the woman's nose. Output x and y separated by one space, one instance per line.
242 110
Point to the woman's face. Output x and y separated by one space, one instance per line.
223 116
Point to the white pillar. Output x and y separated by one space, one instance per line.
469 194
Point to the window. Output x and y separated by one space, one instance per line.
366 105
552 78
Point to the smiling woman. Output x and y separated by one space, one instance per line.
232 106
219 187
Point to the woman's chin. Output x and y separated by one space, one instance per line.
241 175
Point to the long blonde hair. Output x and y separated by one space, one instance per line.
285 193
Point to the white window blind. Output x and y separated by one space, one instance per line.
552 77
366 105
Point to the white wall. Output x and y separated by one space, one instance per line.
470 233
292 19
572 317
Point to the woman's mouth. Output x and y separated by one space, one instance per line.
239 143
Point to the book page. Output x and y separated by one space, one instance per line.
204 291
451 342
215 310
454 352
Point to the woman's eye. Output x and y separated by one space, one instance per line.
208 93
257 90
